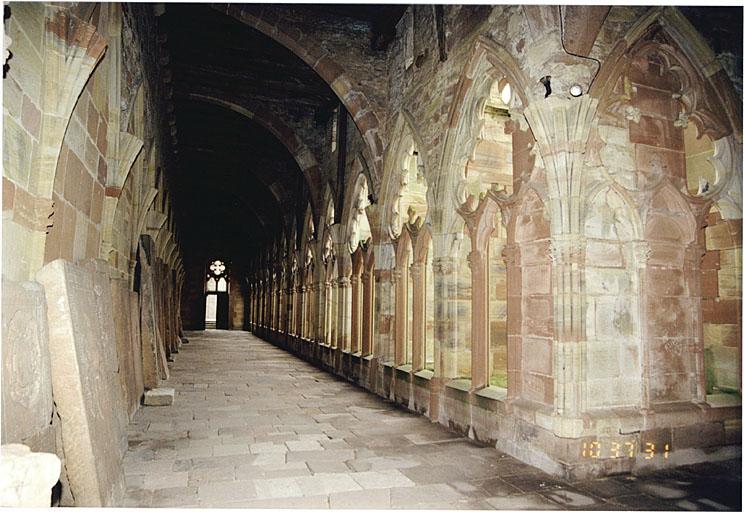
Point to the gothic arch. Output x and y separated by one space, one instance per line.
337 78
300 151
406 143
354 216
488 63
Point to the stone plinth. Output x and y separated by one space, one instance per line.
85 392
27 478
26 375
160 396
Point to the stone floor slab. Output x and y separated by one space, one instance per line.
255 427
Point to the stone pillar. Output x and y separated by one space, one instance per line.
419 315
567 256
513 321
367 312
561 127
356 310
27 478
399 281
384 313
478 262
445 316
343 328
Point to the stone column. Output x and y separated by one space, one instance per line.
445 316
480 353
567 256
384 313
399 281
513 321
356 309
419 315
561 127
367 312
343 327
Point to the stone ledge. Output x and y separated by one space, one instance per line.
424 374
159 396
492 393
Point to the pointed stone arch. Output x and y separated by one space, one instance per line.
487 64
328 68
405 150
289 138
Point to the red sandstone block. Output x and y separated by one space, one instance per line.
102 172
101 139
658 133
86 194
709 283
717 311
651 161
327 68
366 122
711 260
668 316
666 282
8 194
97 206
656 103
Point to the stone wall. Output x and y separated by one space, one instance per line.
79 185
586 295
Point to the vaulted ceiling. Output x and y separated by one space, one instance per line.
236 181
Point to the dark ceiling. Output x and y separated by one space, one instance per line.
227 162
231 169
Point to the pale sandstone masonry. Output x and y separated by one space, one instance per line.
86 394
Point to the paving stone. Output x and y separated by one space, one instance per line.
386 479
277 488
218 492
522 502
327 483
303 446
305 502
237 439
166 480
366 499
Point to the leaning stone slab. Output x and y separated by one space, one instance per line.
102 288
84 390
160 396
154 362
130 356
26 477
26 375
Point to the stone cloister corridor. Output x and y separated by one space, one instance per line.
345 255
257 427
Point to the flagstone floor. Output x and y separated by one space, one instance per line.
254 426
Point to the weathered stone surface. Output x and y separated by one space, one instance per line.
84 390
26 376
154 359
127 346
26 477
160 396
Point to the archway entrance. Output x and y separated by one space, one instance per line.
216 295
